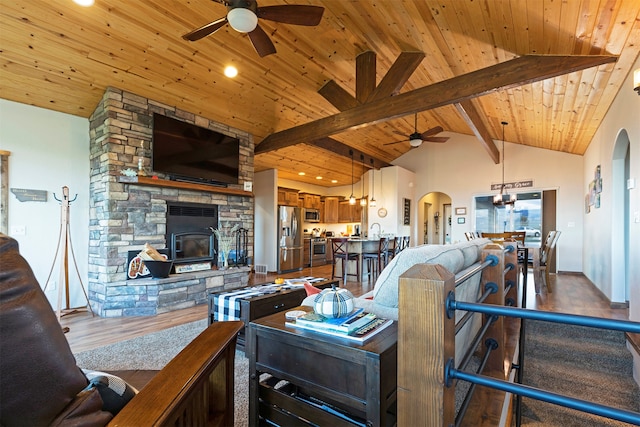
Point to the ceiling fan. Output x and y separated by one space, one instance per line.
242 16
416 138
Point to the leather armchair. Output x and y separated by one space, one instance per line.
40 383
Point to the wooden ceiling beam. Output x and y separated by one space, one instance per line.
337 147
471 115
403 67
337 96
365 75
516 72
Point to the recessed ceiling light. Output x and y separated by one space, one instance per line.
301 173
318 177
85 3
230 71
333 181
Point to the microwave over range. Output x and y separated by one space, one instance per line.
312 215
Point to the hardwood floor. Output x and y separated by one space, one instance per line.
572 293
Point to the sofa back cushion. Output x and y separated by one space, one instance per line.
385 291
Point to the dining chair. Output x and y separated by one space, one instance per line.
340 251
546 256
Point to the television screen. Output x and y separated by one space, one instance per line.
188 152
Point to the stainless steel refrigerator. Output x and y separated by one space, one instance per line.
290 242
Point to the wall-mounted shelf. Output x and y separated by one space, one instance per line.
153 182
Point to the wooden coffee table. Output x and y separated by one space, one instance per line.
293 372
254 307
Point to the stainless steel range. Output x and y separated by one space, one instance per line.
318 251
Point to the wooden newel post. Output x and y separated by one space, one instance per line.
511 258
426 341
495 274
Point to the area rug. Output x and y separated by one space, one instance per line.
154 351
585 363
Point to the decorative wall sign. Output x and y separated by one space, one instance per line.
406 212
461 211
461 220
29 195
513 185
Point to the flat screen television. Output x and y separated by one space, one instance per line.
184 151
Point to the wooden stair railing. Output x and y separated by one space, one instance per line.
426 342
194 389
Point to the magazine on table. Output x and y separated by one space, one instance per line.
360 335
346 324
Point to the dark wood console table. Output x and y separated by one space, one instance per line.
358 381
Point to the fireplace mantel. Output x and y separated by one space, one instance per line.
154 182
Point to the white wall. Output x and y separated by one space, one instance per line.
49 150
462 169
266 221
599 226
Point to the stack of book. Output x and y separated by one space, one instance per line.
359 326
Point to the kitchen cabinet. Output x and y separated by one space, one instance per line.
331 206
349 213
287 196
311 201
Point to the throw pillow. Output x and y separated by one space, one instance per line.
115 391
311 290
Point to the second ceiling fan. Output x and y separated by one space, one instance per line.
242 16
416 139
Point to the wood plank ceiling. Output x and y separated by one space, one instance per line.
57 55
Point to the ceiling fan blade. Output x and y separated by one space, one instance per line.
391 143
397 132
205 30
432 131
436 139
261 42
295 14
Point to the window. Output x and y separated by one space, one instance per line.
524 215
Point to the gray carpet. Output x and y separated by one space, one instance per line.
153 351
585 363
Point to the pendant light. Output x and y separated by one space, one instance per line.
363 201
352 199
499 199
372 202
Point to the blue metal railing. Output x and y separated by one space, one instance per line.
546 396
521 390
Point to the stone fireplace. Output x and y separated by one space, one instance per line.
126 213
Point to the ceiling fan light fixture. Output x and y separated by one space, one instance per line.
415 142
415 139
242 20
636 80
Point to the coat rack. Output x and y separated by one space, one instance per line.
64 246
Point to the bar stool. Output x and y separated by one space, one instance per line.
394 248
405 243
376 261
339 251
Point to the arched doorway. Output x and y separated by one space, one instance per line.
620 219
434 225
